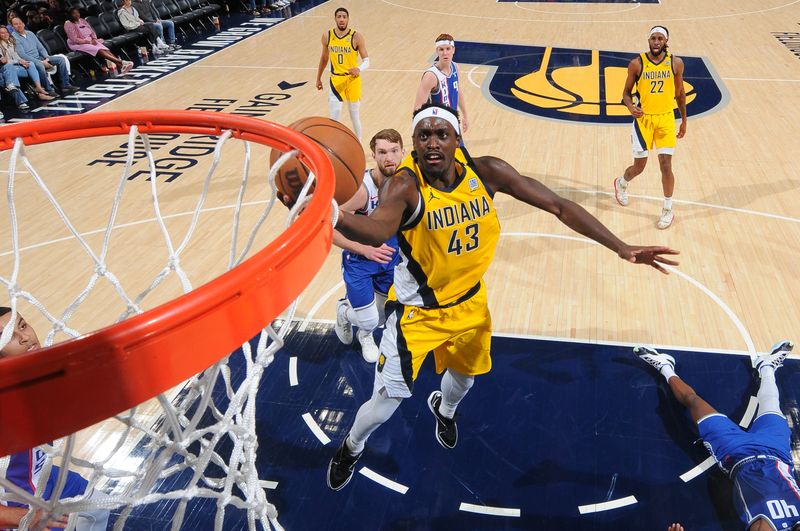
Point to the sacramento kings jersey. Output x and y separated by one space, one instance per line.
366 210
25 468
446 246
764 486
656 85
343 55
446 90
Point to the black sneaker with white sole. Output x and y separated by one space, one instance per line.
446 429
340 469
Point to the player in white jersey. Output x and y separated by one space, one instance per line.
24 468
368 271
439 83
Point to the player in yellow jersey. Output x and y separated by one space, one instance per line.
443 214
342 47
658 78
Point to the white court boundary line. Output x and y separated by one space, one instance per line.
689 475
293 371
383 481
592 20
315 429
632 7
607 506
487 509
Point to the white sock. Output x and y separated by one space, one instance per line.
455 387
374 412
623 183
667 372
768 397
668 203
355 117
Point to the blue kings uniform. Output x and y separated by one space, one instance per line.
446 91
24 469
759 462
362 276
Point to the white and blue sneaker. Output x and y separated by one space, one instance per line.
654 358
776 355
344 330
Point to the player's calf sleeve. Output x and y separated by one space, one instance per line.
375 411
334 107
768 396
455 387
355 117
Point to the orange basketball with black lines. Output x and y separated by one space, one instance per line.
343 149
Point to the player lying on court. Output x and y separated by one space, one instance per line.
24 468
758 461
368 271
442 211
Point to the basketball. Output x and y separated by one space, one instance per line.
343 149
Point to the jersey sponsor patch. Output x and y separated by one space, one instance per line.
576 85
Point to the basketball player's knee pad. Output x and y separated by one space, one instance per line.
334 106
367 318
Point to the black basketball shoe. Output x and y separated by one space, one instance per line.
340 469
446 429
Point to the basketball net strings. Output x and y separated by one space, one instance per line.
181 439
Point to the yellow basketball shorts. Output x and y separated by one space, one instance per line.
459 338
346 88
654 130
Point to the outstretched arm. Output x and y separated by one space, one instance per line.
382 254
502 177
398 199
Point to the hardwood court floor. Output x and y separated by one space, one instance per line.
736 178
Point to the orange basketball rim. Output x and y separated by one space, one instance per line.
58 390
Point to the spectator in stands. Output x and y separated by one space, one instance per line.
148 12
255 12
31 49
22 67
129 17
82 38
37 19
11 15
10 82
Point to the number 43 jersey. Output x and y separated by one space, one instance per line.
446 246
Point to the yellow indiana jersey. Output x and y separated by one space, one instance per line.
448 243
343 55
656 85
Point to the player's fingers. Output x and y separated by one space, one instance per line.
667 261
657 266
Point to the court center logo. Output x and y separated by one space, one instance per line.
576 85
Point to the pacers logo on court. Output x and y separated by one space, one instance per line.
575 85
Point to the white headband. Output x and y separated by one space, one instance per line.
445 43
436 112
659 29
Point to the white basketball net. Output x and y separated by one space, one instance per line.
185 444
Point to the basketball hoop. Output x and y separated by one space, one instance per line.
95 376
